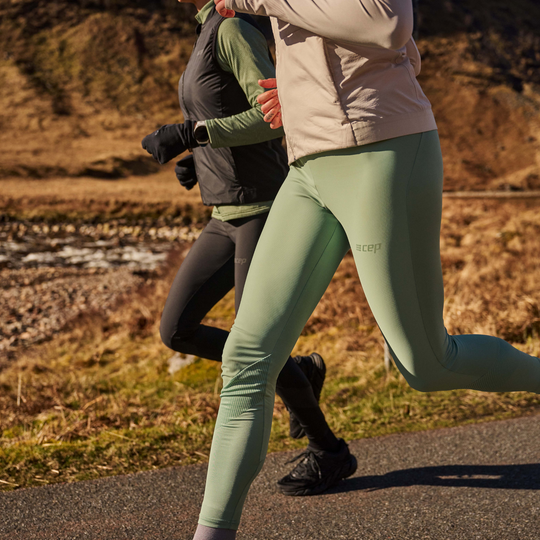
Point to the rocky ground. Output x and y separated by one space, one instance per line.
50 274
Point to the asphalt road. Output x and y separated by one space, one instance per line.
473 482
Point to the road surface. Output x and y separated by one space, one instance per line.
473 482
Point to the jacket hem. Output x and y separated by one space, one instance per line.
365 133
242 213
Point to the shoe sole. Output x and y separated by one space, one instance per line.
316 490
317 382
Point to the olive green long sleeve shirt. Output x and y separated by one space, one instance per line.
242 50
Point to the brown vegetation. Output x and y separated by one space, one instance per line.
158 196
82 81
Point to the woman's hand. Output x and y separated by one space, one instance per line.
222 10
170 140
271 107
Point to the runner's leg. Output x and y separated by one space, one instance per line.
293 387
204 278
297 255
388 197
245 234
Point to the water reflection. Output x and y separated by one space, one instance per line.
50 274
107 245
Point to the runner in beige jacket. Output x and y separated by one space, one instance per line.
346 71
366 175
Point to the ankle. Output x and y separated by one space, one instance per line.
327 443
209 533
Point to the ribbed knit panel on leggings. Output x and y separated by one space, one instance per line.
217 262
384 200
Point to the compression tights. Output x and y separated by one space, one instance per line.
217 262
384 200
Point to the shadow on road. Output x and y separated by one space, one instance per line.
476 476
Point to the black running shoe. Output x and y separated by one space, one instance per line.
317 471
315 370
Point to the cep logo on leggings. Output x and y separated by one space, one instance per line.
373 248
240 261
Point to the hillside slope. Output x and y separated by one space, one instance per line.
82 81
481 71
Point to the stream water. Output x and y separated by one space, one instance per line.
108 245
49 274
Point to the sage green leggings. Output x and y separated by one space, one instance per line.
382 200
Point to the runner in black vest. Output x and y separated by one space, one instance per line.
240 166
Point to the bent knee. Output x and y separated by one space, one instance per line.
426 384
424 374
248 363
175 336
167 335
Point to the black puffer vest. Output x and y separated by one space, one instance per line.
227 176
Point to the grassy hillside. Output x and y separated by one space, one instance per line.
481 71
80 84
82 81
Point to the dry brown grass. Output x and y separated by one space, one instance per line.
98 400
90 199
491 266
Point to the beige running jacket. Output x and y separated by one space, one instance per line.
346 71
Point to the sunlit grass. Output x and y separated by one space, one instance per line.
99 400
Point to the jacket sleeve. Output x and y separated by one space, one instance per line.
380 23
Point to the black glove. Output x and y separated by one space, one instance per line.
170 140
185 172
